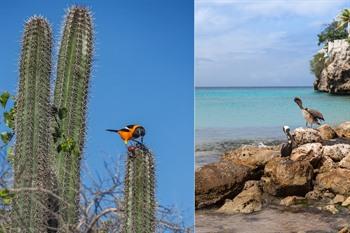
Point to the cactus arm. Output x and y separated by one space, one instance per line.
71 90
32 128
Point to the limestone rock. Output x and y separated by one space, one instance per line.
345 162
284 177
292 200
346 202
311 152
338 199
248 201
306 135
337 180
343 130
331 208
326 164
251 156
314 195
216 182
327 132
337 152
335 77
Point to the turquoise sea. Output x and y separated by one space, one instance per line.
229 117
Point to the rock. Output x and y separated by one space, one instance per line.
306 135
337 152
292 200
248 201
314 195
216 182
344 229
311 152
345 162
326 164
252 156
284 177
337 180
335 76
343 130
327 132
346 202
338 199
331 208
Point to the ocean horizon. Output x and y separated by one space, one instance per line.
227 117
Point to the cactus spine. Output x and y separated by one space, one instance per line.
71 89
32 128
139 192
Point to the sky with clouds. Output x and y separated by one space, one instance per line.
259 43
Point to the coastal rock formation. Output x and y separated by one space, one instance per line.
292 200
306 135
252 156
335 76
217 182
336 152
327 132
343 130
311 152
345 162
284 177
248 201
337 180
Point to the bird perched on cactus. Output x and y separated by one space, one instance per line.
130 133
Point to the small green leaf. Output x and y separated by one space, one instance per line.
9 118
10 155
6 196
6 137
4 98
62 113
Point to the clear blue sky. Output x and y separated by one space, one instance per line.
143 73
259 43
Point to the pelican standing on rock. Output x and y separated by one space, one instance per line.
287 148
311 116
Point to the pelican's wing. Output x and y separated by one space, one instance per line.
315 114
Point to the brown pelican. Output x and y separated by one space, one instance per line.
287 148
311 116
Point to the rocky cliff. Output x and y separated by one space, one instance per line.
335 76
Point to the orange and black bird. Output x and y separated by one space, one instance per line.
130 133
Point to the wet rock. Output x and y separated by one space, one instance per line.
306 135
337 180
327 132
292 200
337 152
311 152
252 156
216 182
331 208
346 202
284 177
343 130
345 162
338 199
248 201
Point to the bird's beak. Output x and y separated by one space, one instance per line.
112 130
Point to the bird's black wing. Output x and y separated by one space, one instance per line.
316 114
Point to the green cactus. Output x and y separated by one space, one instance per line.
139 191
70 98
31 168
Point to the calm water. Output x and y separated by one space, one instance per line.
228 117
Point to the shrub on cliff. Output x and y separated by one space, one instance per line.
332 32
317 63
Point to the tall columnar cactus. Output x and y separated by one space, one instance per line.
32 128
70 94
139 191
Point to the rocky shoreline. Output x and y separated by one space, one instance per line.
249 178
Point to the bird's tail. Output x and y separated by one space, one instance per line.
112 130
